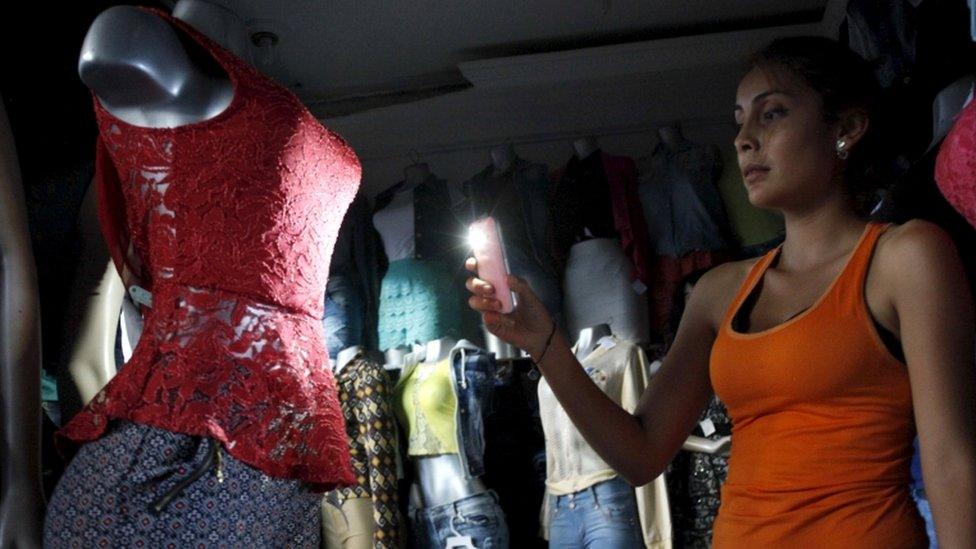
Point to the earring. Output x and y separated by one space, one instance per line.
842 151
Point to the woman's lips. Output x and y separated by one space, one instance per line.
753 174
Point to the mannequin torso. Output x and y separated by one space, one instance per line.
346 355
441 478
589 338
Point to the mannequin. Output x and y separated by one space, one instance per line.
162 87
347 355
947 106
614 301
179 92
446 391
396 357
21 502
578 481
365 515
673 137
585 146
596 231
503 157
188 80
686 220
589 338
421 295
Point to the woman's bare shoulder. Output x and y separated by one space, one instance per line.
718 287
913 245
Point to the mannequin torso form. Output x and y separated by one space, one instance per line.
589 338
163 86
947 106
21 502
346 355
440 478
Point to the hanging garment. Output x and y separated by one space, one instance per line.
515 450
355 274
421 300
422 296
596 197
478 518
232 222
681 202
124 490
955 167
687 225
695 482
420 224
619 369
364 393
517 200
598 290
822 437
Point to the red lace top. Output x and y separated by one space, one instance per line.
230 223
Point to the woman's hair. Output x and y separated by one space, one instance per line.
844 81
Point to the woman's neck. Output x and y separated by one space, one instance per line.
826 231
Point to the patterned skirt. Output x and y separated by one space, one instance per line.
139 486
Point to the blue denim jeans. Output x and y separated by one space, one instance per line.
478 517
343 320
922 502
602 516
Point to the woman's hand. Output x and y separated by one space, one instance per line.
527 327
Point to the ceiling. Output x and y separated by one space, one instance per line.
346 56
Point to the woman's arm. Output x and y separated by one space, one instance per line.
640 445
934 308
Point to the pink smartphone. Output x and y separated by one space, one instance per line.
486 241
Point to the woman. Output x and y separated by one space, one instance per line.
827 351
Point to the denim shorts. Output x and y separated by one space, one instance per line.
603 515
478 517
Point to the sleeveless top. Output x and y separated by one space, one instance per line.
822 424
425 402
230 222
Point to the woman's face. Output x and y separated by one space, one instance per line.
785 147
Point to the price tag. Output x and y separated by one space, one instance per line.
140 295
707 427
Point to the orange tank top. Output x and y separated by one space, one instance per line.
822 424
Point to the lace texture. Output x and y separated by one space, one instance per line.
955 167
231 222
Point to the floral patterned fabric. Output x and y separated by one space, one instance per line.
230 223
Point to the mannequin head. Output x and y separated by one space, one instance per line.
806 113
218 23
671 135
585 146
502 157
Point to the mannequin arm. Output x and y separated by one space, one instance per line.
704 445
98 292
22 502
